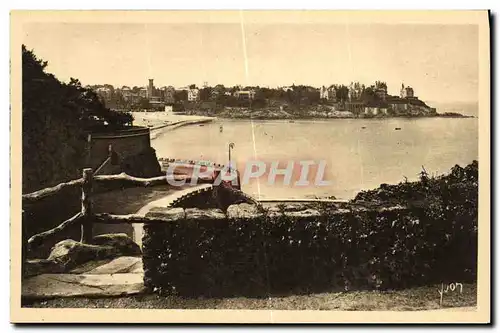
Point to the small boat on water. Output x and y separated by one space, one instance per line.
398 129
201 125
292 121
363 127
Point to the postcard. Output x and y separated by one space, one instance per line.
250 167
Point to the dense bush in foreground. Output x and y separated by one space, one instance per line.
433 241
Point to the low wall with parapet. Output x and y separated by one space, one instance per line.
253 251
166 161
134 153
187 167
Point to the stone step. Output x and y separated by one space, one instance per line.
163 202
118 265
85 285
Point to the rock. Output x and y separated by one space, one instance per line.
341 211
73 285
41 266
71 253
393 208
277 209
295 207
243 210
124 245
204 214
88 266
290 207
167 214
304 213
119 265
145 164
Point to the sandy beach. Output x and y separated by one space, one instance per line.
161 119
159 122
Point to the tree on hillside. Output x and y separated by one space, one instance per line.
181 95
368 95
380 85
56 117
205 94
220 88
342 93
259 100
144 104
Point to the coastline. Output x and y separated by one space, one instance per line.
158 130
339 117
264 115
160 122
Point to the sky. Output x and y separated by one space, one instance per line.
439 61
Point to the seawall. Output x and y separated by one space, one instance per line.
160 129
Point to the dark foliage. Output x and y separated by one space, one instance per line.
56 118
374 248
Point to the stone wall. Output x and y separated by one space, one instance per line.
134 154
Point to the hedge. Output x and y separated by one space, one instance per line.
259 253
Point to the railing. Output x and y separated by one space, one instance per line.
86 217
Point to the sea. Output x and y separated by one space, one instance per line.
345 156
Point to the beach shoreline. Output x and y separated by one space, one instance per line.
160 122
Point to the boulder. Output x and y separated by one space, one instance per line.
82 285
119 265
41 266
88 266
71 253
304 213
166 213
204 214
243 211
121 242
295 207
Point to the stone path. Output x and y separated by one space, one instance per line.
162 202
116 277
113 277
119 265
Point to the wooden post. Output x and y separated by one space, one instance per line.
89 148
87 206
231 146
111 154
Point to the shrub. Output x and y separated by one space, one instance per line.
280 251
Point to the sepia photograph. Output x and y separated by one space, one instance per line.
250 166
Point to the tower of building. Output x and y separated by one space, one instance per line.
150 88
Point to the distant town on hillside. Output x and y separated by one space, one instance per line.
355 99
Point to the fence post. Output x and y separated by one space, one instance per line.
89 148
87 206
